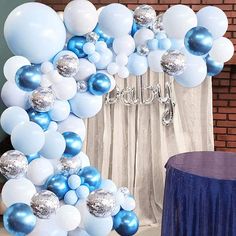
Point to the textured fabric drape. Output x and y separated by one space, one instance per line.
131 146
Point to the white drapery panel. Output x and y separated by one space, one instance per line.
131 146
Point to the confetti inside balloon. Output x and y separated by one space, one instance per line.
173 62
13 164
144 15
82 86
101 203
142 50
67 65
92 37
157 25
44 204
69 166
42 99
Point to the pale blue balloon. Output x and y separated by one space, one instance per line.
12 117
78 232
106 57
85 105
164 44
137 64
54 145
28 138
89 48
35 31
177 44
60 110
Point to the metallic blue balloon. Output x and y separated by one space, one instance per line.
90 177
213 67
32 157
19 219
135 28
126 223
73 144
41 118
103 37
58 185
76 44
99 84
198 41
28 78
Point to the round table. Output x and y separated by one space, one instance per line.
200 195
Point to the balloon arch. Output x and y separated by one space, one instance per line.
63 64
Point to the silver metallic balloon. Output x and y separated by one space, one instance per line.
13 164
92 37
101 203
157 25
42 99
69 166
44 204
67 65
173 62
82 86
142 50
144 15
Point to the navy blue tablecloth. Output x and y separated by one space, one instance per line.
200 195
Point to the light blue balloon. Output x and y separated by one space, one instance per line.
152 44
82 192
89 48
177 44
160 35
35 31
74 181
164 44
94 58
78 232
54 145
137 65
70 197
85 105
100 46
12 117
28 138
60 110
106 57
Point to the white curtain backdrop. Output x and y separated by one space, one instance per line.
131 146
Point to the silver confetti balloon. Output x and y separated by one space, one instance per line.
82 86
42 99
101 203
92 37
144 15
67 65
13 164
44 204
124 190
173 62
142 50
68 166
157 25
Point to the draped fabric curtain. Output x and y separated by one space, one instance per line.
130 145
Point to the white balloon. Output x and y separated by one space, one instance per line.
124 44
13 96
84 160
123 72
39 170
178 20
80 17
17 190
142 36
112 68
68 217
99 10
60 110
53 76
108 185
47 67
53 126
86 69
122 59
12 65
128 204
211 16
61 15
78 232
73 124
154 60
47 227
222 50
66 89
45 82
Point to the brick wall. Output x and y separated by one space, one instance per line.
224 85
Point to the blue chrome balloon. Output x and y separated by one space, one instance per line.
58 185
41 118
73 144
198 41
213 67
90 177
28 78
99 84
103 37
126 223
76 44
19 219
32 157
135 28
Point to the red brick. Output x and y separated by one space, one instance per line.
232 117
227 96
220 89
220 103
224 82
227 110
226 137
190 1
226 7
215 109
226 149
212 1
233 89
226 123
231 130
215 82
220 143
168 1
219 116
223 75
231 144
220 130
232 103
229 1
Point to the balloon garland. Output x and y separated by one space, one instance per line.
63 64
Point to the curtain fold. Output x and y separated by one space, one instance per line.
130 145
